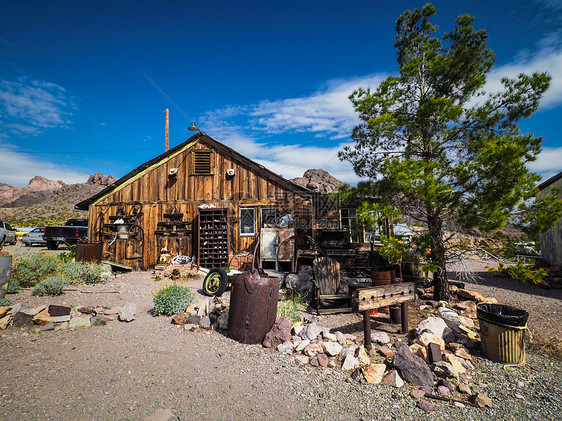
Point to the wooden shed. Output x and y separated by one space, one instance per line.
200 199
551 241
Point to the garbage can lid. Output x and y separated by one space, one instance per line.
502 314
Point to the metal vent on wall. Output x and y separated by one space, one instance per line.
202 162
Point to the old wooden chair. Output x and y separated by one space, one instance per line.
327 283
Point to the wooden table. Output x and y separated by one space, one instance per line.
368 298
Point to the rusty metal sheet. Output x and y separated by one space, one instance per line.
88 252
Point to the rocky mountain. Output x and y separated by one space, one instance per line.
318 180
46 202
37 189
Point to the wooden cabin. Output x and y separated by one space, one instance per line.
551 240
200 199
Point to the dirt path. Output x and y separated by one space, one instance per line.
127 371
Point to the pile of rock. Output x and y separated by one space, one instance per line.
437 356
55 317
206 314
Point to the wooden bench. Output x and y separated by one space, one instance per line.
366 299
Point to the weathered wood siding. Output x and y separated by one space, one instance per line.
551 241
155 194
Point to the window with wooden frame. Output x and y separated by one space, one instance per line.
268 217
201 162
247 221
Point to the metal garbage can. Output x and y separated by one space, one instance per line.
253 307
5 271
502 332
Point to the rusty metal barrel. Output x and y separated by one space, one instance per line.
253 307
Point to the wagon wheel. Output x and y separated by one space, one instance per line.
215 282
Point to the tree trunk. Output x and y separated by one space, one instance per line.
440 281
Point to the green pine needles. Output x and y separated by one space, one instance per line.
441 149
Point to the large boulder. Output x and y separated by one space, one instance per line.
280 333
434 325
412 368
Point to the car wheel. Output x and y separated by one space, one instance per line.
52 245
215 282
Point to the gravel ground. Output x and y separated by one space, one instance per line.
127 371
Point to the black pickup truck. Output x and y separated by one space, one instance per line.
74 230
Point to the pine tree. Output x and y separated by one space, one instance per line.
442 149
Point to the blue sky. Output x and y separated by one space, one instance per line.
84 84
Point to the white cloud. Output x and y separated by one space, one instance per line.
16 169
31 106
548 163
326 112
546 60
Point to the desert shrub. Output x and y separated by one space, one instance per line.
5 302
31 270
13 286
292 308
50 286
70 255
83 273
522 272
172 299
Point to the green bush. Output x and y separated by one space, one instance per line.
50 286
522 272
70 255
172 299
13 286
5 303
83 273
31 270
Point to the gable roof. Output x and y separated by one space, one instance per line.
130 177
551 180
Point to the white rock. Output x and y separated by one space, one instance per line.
452 318
330 336
432 324
426 338
350 350
310 332
285 347
332 348
350 363
380 337
362 356
340 337
127 313
298 329
301 359
304 343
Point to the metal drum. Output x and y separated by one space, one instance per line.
253 307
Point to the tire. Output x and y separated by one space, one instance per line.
15 241
215 282
52 245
